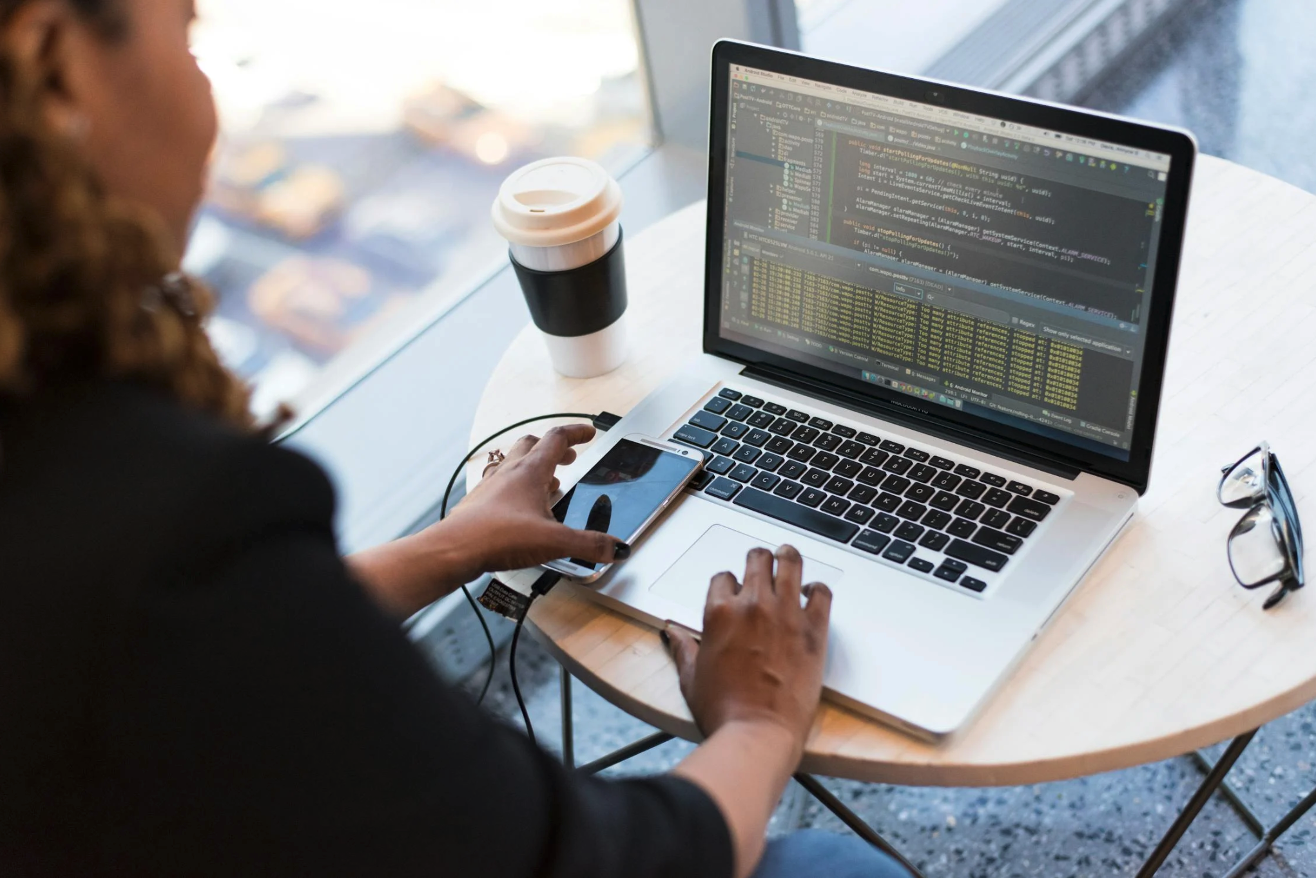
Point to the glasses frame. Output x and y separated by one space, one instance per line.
1276 496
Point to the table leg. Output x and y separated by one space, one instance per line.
1195 804
853 821
568 731
1235 801
1272 835
618 756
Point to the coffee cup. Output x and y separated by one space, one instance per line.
560 217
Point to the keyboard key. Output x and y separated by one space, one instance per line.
1029 507
789 490
873 457
812 497
871 541
867 439
871 476
1019 488
804 434
839 485
863 494
816 478
994 539
735 430
793 513
946 481
848 468
722 488
773 408
859 514
708 421
911 510
843 431
885 522
934 540
746 454
947 573
728 393
827 442
761 419
909 531
695 436
887 502
720 465
967 471
916 454
757 438
892 447
792 469
993 479
765 481
896 484
851 449
821 423
944 501
899 551
898 465
937 519
961 527
970 509
699 482
997 518
970 489
717 405
1021 527
941 462
922 565
1046 497
921 493
825 460
769 462
997 497
955 564
973 584
836 506
744 473
922 473
978 556
779 445
782 427
739 412
802 453
797 415
751 401
725 447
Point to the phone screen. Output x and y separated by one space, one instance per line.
623 489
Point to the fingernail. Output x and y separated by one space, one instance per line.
667 639
621 551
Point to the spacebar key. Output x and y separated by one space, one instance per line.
793 513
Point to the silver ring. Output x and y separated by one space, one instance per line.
495 457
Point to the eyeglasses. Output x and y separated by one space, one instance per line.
1266 544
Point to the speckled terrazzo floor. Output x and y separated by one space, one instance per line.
1240 73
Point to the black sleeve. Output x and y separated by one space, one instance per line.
270 719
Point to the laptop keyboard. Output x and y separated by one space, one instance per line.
935 515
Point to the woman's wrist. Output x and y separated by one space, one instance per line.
412 572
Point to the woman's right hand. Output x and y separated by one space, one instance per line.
762 653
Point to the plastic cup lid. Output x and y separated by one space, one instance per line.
556 201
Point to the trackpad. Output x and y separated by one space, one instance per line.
719 549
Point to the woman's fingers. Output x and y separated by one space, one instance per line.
521 448
685 652
588 545
548 454
789 569
758 574
723 587
818 610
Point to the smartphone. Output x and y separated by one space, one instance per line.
623 494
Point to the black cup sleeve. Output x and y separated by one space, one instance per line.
579 301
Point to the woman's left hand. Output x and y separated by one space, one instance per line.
505 523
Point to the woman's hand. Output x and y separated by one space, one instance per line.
761 657
505 523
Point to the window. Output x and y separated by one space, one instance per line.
362 146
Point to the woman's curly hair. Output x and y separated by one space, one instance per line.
87 289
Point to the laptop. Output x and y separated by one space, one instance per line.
935 330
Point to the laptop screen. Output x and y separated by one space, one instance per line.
999 269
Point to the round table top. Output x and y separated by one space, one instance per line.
1159 651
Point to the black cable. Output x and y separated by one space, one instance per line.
511 668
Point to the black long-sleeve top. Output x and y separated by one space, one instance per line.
192 684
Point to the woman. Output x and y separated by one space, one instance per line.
195 682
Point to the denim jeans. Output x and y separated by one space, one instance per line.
812 853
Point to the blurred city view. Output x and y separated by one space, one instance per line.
362 147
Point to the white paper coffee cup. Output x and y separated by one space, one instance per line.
560 217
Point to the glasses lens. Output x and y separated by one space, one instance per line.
1256 550
1246 482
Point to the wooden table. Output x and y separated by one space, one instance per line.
1159 652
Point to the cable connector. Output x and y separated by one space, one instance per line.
544 584
605 421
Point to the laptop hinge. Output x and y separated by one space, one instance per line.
910 418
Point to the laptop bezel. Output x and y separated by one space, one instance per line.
1179 145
